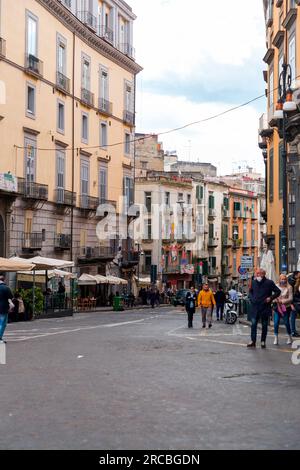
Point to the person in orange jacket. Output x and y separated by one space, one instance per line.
206 301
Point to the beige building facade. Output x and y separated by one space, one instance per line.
68 93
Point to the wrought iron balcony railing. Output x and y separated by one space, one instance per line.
128 117
127 49
105 106
62 82
31 190
88 19
87 97
33 65
90 252
62 242
212 242
89 203
32 241
64 198
226 242
106 33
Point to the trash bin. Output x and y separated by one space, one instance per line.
118 306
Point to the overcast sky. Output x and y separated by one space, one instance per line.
200 58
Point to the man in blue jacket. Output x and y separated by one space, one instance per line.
5 295
262 293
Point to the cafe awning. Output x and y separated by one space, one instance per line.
117 281
50 263
40 275
15 264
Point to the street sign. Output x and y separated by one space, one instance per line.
242 271
247 262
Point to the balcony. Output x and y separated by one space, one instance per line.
226 242
33 65
88 19
89 203
65 198
62 82
62 242
87 97
107 202
32 190
128 117
2 48
254 244
32 241
106 33
246 244
88 254
226 214
172 269
129 259
237 214
212 243
264 131
236 244
127 49
211 213
253 216
105 107
212 271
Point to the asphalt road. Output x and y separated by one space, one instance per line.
142 380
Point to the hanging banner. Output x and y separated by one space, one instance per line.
8 182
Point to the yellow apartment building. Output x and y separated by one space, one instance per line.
282 40
67 94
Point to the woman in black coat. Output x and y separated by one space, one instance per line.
190 305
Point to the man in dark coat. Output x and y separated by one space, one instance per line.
262 293
5 296
190 305
220 298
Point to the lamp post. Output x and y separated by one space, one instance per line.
285 105
140 253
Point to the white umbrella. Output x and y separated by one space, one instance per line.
116 281
87 280
15 264
50 263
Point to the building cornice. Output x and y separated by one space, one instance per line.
269 56
71 22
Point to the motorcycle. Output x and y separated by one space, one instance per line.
230 313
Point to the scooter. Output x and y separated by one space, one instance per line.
230 313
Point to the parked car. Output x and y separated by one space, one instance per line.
180 297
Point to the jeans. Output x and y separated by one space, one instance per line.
254 324
206 313
190 318
220 311
285 318
3 323
292 321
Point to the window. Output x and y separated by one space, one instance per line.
60 174
225 231
30 107
189 199
253 233
31 35
61 55
180 197
211 202
85 128
271 89
103 84
237 206
148 261
128 97
211 231
103 137
199 194
245 232
86 72
226 203
292 57
103 185
148 229
30 159
128 191
271 176
84 181
144 165
167 199
61 117
127 143
148 202
235 232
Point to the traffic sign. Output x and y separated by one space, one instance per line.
242 271
247 262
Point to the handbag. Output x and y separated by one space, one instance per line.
281 309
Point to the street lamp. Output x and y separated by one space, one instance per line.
285 105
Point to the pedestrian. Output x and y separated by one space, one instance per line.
295 308
157 298
206 301
282 308
220 298
18 312
233 295
5 304
262 293
152 297
190 305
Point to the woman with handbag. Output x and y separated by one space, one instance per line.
282 309
295 306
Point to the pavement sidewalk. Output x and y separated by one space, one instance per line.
244 321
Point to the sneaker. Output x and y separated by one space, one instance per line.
210 325
276 342
203 326
289 341
251 345
2 341
295 335
263 345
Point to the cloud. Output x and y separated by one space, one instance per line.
200 56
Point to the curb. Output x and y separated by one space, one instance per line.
110 309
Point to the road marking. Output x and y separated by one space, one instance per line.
75 330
